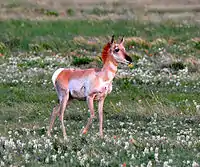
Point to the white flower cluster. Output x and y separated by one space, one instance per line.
23 68
136 144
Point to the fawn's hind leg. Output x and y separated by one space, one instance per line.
63 105
59 111
63 95
56 112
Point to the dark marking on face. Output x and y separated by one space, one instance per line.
112 40
116 49
128 58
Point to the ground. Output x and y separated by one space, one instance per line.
153 10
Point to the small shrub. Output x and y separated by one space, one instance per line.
12 43
51 13
135 57
100 12
97 11
197 146
3 48
159 42
47 12
12 5
197 45
177 66
116 4
27 64
70 12
47 46
124 83
81 60
87 44
32 63
34 47
41 47
141 44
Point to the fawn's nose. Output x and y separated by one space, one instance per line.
128 58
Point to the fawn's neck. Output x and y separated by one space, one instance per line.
109 70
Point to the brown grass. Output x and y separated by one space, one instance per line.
173 8
82 9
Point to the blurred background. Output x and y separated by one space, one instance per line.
154 10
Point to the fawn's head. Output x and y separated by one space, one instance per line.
118 52
115 51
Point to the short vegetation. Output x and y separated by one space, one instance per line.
152 117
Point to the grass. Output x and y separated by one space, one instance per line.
151 118
58 35
81 60
25 108
174 9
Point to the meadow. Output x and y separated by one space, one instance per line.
151 118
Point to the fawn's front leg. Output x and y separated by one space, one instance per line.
100 110
90 101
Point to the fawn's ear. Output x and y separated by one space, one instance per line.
122 41
112 39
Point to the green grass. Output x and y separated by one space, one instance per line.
81 61
29 107
18 34
39 100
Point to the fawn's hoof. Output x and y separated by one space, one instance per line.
65 138
48 134
84 131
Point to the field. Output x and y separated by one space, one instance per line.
152 116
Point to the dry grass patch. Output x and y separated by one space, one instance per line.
87 9
89 40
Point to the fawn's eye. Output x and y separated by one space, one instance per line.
116 49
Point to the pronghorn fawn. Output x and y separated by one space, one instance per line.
88 84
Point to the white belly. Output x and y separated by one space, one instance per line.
77 88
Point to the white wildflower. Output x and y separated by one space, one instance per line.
126 145
156 154
2 163
149 164
47 160
170 160
165 164
54 157
195 164
146 151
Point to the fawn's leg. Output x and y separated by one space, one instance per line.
56 112
90 101
100 110
62 110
